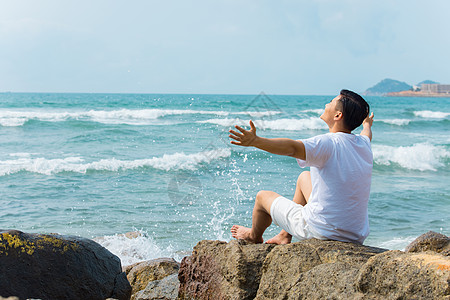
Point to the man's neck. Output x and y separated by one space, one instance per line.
337 128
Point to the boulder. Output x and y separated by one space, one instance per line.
400 275
51 266
313 268
220 270
164 289
430 241
143 274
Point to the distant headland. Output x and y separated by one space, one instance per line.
395 88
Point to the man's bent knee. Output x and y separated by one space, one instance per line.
265 199
305 175
261 195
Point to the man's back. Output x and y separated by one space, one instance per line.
341 168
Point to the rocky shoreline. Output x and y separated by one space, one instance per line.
65 267
417 94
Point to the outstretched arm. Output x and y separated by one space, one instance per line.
367 126
280 146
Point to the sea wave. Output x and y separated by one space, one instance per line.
135 247
167 162
123 116
397 243
317 111
257 114
431 114
280 124
398 122
422 157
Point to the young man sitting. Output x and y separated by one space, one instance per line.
330 200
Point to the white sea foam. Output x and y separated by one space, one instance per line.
132 250
21 154
12 122
293 124
257 114
317 111
167 162
226 122
431 114
280 124
422 157
396 243
398 122
122 116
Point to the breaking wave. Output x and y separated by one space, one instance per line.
317 111
431 114
167 162
398 122
280 124
422 157
123 116
135 247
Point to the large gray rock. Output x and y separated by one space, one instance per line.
51 266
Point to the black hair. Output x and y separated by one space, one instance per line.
354 109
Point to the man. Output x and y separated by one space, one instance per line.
330 200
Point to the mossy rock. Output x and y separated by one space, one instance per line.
51 266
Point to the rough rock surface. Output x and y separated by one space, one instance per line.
151 273
50 266
399 275
164 289
430 241
219 270
298 267
312 269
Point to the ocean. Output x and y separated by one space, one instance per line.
162 166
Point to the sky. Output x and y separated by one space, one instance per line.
303 47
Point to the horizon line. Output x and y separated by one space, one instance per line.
168 93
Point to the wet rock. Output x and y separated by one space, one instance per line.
219 270
430 241
141 274
51 266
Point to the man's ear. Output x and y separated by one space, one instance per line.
338 116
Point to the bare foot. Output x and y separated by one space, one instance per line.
280 239
244 233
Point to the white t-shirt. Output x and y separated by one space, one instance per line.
341 171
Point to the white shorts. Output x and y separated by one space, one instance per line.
289 215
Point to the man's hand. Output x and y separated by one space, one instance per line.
244 137
367 126
368 121
280 146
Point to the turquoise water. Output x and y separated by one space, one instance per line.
98 165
